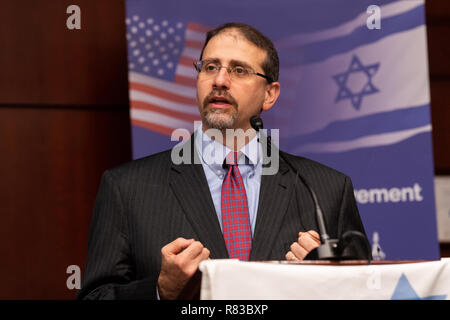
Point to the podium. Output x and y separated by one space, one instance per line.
325 280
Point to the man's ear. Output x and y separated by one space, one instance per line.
272 93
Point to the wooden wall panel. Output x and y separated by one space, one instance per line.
439 51
440 118
445 249
437 10
43 62
51 164
438 33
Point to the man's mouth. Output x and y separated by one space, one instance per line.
220 102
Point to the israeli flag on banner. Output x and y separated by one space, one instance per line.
358 87
354 96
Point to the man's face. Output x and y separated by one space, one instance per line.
225 102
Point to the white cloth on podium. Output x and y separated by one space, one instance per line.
236 280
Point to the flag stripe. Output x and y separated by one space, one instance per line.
141 105
195 35
194 44
179 107
342 130
320 50
185 71
363 142
185 91
187 61
347 28
142 87
187 81
191 53
198 27
159 119
152 126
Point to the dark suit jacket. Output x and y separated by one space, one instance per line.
145 204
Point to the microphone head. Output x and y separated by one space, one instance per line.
256 123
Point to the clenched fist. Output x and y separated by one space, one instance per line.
306 242
180 260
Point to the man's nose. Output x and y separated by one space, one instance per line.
222 78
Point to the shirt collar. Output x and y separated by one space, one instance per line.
213 153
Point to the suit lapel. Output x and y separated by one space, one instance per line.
275 192
189 184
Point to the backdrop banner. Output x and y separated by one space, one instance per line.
354 96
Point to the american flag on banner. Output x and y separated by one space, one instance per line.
161 73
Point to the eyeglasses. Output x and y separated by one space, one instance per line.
212 68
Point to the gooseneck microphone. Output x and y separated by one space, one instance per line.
330 249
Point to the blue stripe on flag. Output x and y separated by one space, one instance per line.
384 122
321 50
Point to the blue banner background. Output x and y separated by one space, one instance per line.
406 229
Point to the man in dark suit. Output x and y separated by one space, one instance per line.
156 219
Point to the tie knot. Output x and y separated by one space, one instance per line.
232 158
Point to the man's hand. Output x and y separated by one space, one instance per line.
180 260
306 242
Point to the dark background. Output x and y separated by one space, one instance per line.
64 119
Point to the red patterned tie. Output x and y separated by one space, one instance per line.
235 216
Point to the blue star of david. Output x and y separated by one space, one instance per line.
404 291
341 80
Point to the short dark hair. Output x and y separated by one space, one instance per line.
271 65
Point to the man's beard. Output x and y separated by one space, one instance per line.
220 119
